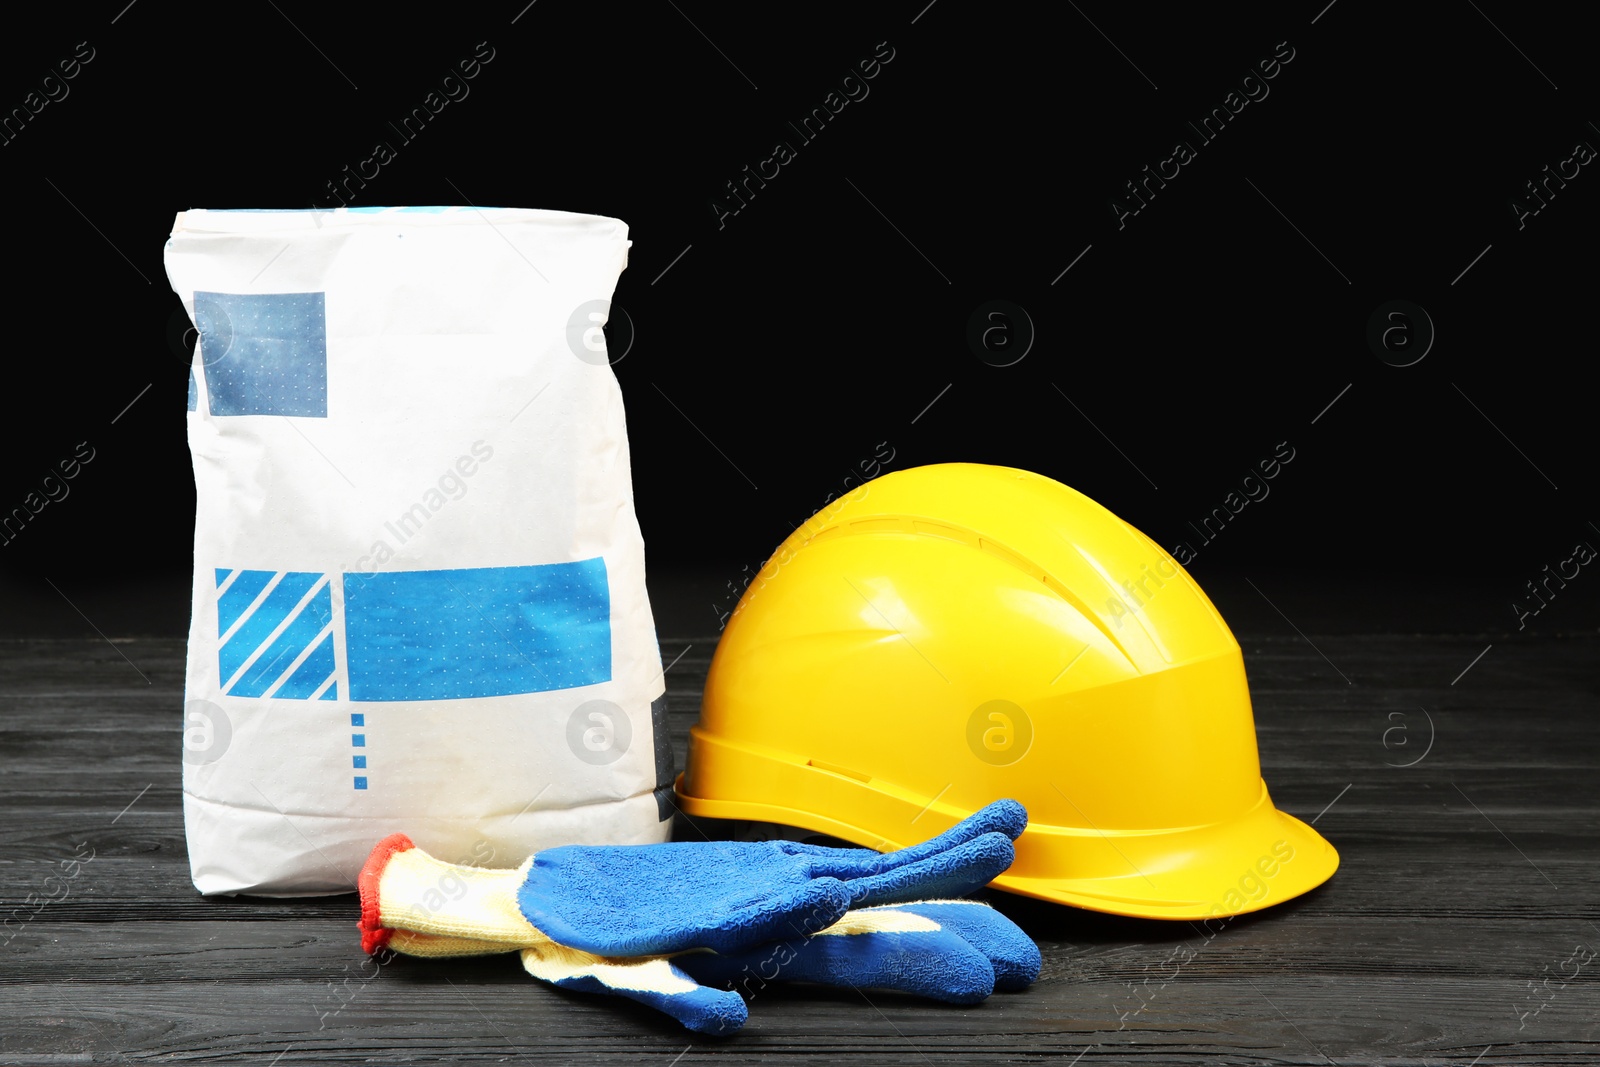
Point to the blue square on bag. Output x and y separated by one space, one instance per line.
264 353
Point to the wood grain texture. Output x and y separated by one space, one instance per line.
1467 880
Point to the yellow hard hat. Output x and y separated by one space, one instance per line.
951 634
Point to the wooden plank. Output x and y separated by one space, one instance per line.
483 1010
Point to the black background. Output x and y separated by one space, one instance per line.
780 350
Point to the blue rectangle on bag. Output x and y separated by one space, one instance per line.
264 353
477 632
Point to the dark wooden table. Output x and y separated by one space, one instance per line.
1458 930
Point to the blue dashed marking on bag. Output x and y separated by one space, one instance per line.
359 741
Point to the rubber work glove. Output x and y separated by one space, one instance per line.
637 900
955 951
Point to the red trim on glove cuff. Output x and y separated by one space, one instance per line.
374 935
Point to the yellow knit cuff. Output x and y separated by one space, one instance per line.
432 946
404 888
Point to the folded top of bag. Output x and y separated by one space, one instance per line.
246 220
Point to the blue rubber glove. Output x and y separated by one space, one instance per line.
728 895
959 952
955 951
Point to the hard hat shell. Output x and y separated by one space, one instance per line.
951 634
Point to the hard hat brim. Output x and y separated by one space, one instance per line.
1261 858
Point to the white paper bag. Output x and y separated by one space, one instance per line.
419 594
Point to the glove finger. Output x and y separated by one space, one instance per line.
656 924
910 954
796 911
954 872
1011 952
1005 817
651 981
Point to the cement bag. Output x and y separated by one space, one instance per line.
419 592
